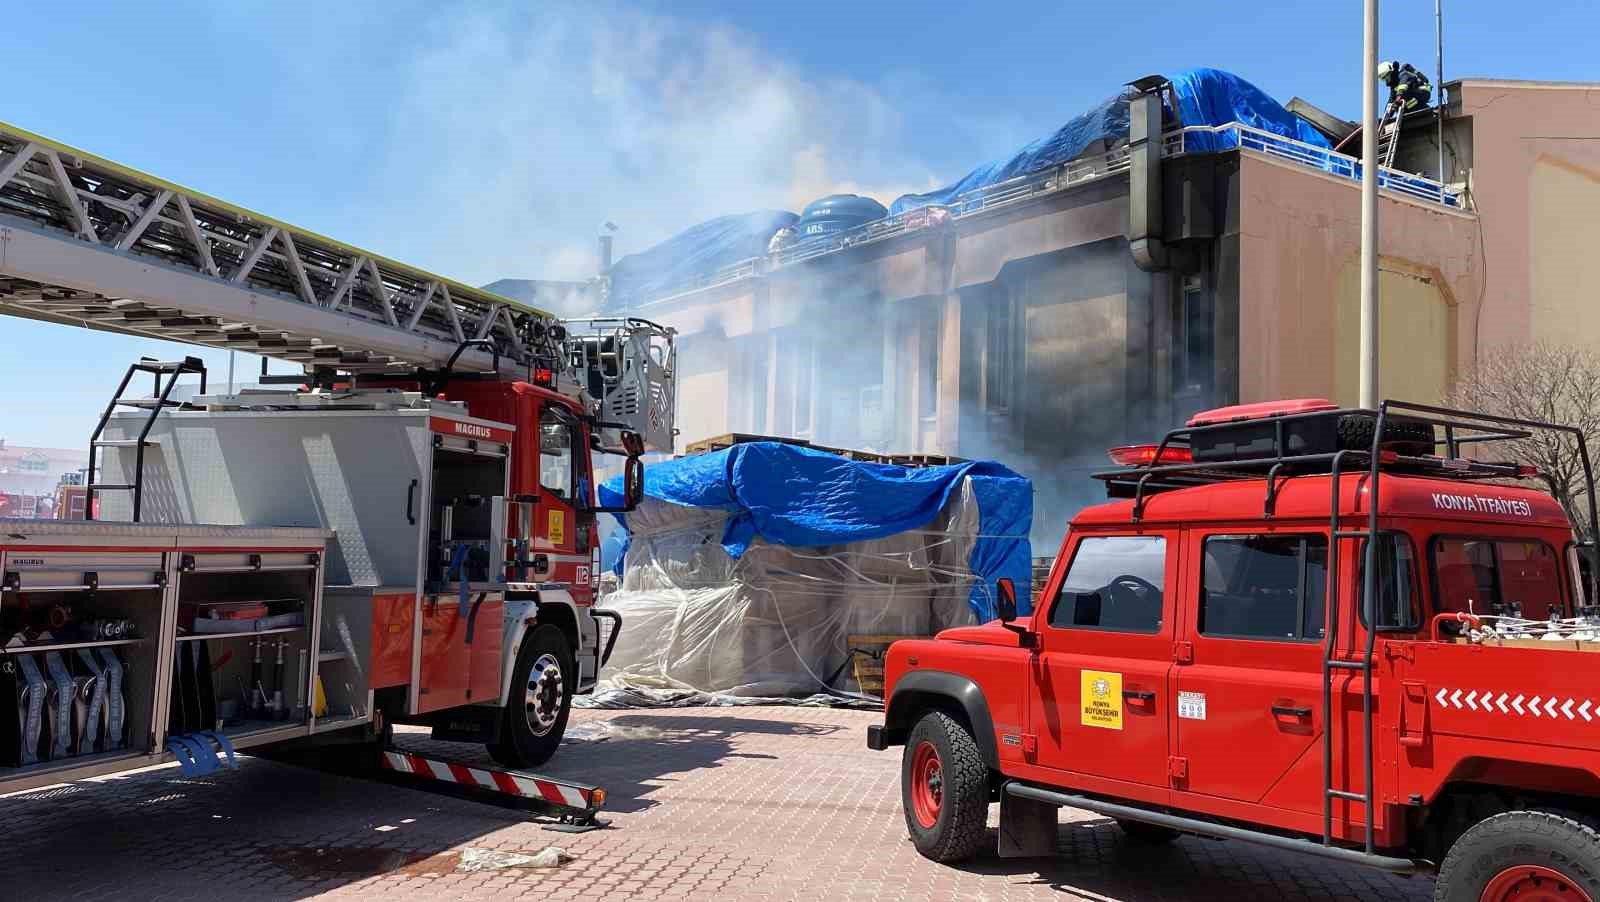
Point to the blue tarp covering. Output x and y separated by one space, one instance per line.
790 495
693 253
1205 97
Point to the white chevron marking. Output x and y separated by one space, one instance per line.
1550 707
1472 700
1517 704
1455 698
1501 703
1583 709
1567 709
1534 706
1441 699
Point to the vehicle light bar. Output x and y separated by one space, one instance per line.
1147 455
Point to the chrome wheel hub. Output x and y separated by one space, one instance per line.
545 693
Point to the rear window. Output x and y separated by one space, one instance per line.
1518 577
1264 587
1114 583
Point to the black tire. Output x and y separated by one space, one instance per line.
1554 847
958 823
1147 834
528 735
1402 435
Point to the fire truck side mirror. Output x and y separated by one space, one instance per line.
1006 599
633 482
633 443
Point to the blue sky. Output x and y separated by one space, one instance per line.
488 140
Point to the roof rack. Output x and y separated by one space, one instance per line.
1275 461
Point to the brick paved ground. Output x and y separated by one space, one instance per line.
763 803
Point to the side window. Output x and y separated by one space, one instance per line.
1520 577
555 455
1263 587
1114 583
1397 606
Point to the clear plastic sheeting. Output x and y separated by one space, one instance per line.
779 623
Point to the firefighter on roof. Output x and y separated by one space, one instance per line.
1409 89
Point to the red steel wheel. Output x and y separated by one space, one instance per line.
1532 883
927 784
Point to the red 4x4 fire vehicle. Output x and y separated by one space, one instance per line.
1202 660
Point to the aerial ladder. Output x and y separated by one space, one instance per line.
90 243
87 242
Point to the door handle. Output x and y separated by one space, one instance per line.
1290 711
1142 696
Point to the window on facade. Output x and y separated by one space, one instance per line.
1263 587
997 358
1114 583
793 385
928 364
1397 603
33 463
1195 362
555 455
1495 576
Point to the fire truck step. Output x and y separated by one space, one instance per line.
575 804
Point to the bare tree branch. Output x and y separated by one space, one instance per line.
1551 383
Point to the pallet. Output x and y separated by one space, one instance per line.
869 666
728 440
924 460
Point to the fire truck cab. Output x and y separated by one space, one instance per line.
1346 632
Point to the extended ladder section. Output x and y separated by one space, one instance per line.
87 242
166 377
1397 437
1389 135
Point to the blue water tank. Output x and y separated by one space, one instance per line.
837 213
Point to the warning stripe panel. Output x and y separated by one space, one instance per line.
555 793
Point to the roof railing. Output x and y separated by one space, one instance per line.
1053 179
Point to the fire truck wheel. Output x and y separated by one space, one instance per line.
542 683
1532 854
944 788
1149 834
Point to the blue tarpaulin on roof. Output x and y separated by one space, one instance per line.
693 253
1205 96
791 495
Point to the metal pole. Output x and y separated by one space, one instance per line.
1369 206
230 372
1438 86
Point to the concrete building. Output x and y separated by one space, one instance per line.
1020 324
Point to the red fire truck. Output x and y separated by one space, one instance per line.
401 531
1351 633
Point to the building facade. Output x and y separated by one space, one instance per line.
1035 325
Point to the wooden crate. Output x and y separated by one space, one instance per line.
866 657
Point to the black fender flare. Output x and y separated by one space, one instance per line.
921 690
